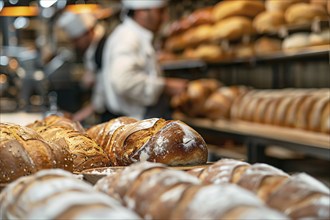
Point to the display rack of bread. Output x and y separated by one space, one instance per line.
232 28
307 109
227 189
58 142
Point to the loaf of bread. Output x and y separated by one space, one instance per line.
178 195
262 179
55 120
303 13
320 38
86 153
225 9
102 133
232 28
280 5
267 45
301 197
207 52
156 140
197 35
269 22
201 16
56 194
175 43
297 40
23 152
244 50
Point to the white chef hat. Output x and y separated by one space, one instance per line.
143 4
75 25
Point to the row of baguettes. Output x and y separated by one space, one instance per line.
232 20
219 191
307 109
57 194
179 195
57 142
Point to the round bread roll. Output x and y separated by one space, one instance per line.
301 197
303 13
156 140
23 152
269 22
225 9
266 45
280 5
298 40
232 28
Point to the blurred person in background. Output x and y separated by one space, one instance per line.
88 38
132 81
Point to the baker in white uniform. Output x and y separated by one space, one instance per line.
132 80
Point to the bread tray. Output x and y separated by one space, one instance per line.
94 174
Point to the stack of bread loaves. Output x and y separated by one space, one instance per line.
207 98
56 194
179 195
307 109
299 196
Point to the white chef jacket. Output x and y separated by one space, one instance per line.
131 77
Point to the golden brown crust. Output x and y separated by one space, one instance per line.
303 13
24 152
269 21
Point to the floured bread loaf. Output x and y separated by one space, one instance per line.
262 179
158 192
56 194
102 133
23 152
301 197
156 140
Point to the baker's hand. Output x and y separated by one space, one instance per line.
175 86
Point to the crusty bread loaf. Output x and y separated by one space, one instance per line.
301 196
86 153
224 171
303 13
170 142
56 194
232 28
23 152
297 40
175 43
244 50
269 21
262 179
178 195
55 120
102 133
266 45
225 9
280 5
325 119
207 52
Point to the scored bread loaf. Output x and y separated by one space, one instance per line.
23 152
176 195
302 197
102 133
262 179
157 140
56 194
86 153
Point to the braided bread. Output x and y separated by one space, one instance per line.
56 194
23 152
178 195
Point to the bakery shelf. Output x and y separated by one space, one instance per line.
257 137
315 52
